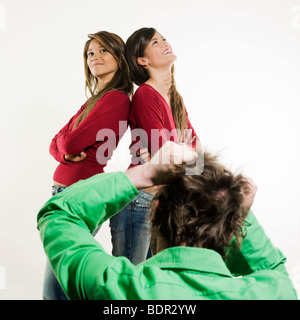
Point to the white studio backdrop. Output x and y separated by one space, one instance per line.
237 68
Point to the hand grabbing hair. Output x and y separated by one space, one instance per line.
202 210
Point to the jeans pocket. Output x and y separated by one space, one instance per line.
141 206
134 213
142 202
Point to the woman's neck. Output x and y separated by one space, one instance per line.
160 80
103 81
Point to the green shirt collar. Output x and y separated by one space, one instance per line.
189 258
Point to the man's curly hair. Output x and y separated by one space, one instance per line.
203 210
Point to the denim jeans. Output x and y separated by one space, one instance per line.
51 287
130 229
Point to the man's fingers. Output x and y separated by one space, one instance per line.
174 153
144 157
181 153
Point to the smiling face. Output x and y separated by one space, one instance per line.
158 53
101 63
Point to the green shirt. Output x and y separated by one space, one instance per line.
86 271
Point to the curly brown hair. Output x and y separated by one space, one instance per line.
203 210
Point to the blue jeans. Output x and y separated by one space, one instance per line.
51 287
130 229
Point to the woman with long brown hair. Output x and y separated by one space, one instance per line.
85 144
157 114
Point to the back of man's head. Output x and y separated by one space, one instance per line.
203 210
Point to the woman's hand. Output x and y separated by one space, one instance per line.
143 155
75 157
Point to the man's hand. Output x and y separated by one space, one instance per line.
75 157
158 169
173 153
249 195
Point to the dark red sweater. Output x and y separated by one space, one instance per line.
112 108
149 111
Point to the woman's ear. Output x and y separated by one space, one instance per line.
142 61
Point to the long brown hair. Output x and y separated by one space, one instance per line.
121 79
203 210
135 47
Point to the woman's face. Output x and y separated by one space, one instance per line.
158 53
102 64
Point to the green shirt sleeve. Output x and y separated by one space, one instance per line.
256 252
67 220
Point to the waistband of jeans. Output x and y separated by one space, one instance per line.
57 188
146 195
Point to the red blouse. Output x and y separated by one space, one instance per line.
97 135
150 112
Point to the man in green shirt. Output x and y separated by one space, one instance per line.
194 217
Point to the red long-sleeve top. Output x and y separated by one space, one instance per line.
150 112
97 135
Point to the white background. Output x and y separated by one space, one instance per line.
238 70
